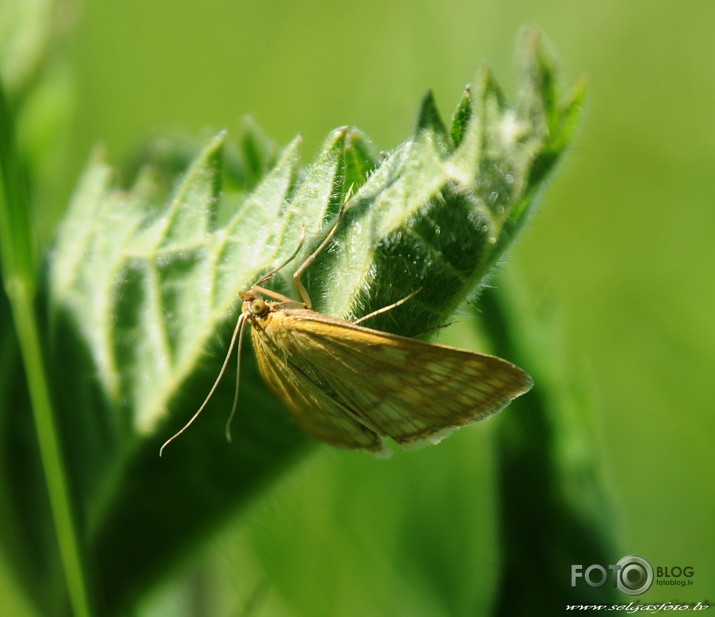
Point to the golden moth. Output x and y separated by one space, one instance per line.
352 386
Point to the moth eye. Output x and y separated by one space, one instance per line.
257 306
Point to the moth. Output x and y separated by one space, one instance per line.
352 386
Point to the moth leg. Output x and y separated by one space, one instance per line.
389 307
302 291
272 294
265 277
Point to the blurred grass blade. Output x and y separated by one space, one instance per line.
554 509
18 249
19 273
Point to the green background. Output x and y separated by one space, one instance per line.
619 259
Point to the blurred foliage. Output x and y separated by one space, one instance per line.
616 246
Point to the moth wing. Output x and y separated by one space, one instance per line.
409 390
316 412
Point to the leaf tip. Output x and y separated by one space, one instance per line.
429 118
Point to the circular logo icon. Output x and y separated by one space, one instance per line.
635 575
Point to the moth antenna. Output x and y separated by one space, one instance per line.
234 406
240 326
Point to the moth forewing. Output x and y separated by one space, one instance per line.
294 382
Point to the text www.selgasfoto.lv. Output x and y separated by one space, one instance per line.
634 607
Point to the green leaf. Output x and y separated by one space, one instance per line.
143 295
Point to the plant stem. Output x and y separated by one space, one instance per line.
18 269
